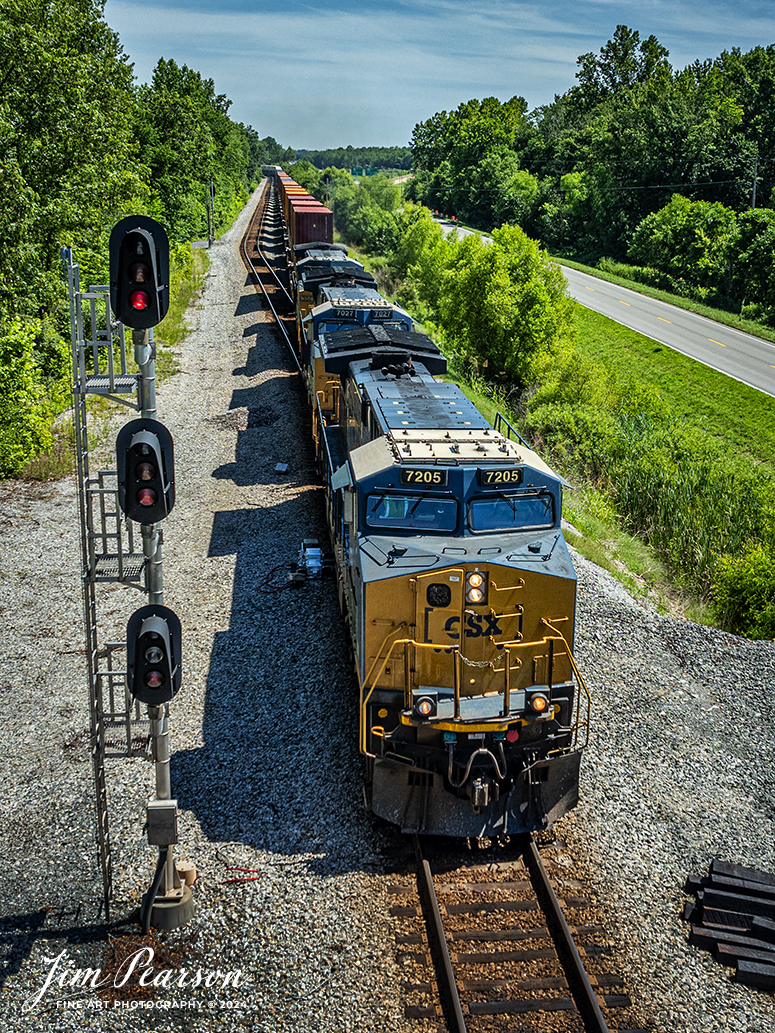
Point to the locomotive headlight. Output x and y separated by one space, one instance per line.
539 703
476 588
425 706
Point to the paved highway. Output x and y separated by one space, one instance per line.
742 356
739 355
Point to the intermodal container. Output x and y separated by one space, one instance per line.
311 222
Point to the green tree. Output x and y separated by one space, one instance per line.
307 176
754 270
27 375
497 190
505 305
476 140
694 241
365 213
186 139
67 153
347 157
622 63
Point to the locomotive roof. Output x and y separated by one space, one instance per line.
446 448
372 346
427 421
316 256
356 297
410 402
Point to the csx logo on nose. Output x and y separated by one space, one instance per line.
474 627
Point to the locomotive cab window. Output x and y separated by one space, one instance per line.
504 512
424 514
331 328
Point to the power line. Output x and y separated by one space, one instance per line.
674 186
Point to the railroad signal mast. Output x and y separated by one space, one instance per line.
141 491
139 295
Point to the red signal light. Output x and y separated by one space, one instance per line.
154 679
146 497
139 300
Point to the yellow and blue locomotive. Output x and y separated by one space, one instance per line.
458 587
452 568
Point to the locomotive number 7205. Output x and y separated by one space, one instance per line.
512 476
437 477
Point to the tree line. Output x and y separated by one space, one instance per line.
82 145
668 171
502 315
356 157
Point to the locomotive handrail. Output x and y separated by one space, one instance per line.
367 697
501 419
457 655
579 720
322 430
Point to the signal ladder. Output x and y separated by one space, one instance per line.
109 541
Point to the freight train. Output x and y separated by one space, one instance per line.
453 573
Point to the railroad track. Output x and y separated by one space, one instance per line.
263 251
486 939
490 941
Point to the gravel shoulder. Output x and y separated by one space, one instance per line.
263 733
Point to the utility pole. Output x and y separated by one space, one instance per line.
755 170
210 205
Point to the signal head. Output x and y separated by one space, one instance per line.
139 272
153 638
146 471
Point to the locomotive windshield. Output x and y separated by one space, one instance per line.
421 513
511 512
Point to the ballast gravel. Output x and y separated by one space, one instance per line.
680 766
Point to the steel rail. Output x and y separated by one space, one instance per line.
272 200
579 982
567 951
450 997
260 213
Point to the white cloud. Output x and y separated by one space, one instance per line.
318 76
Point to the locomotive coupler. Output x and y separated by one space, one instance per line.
482 792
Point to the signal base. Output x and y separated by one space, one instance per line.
173 910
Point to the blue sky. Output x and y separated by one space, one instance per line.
324 74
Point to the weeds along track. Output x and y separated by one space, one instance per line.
501 939
263 252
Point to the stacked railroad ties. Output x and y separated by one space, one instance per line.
734 918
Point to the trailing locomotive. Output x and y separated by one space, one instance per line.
452 570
